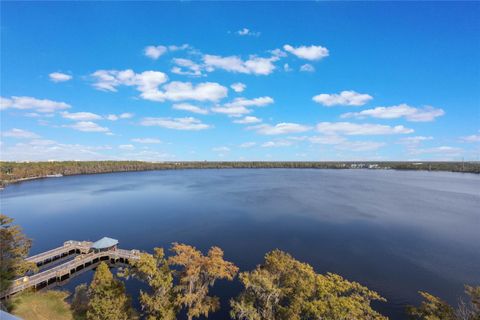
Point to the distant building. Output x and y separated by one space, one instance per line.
105 244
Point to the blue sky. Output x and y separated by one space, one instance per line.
240 81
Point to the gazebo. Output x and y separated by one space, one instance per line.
105 244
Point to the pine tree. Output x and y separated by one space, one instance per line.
107 298
14 248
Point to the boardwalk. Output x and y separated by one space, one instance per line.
84 258
69 248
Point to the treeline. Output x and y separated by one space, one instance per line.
17 171
281 288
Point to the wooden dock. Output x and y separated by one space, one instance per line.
68 249
81 257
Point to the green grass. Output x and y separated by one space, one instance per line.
45 305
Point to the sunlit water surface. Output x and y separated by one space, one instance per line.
395 232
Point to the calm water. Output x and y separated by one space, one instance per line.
396 232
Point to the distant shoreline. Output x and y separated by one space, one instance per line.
14 172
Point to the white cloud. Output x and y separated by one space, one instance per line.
221 149
360 145
425 114
148 82
327 139
126 147
349 128
109 80
145 155
442 150
126 115
38 115
238 87
184 46
59 77
154 52
233 111
29 103
415 140
146 140
243 32
278 53
247 32
46 150
41 142
248 120
341 143
188 123
307 52
281 128
239 106
114 117
5 103
192 68
81 116
254 65
248 144
88 126
190 108
346 98
307 68
256 102
277 143
19 134
287 68
471 138
89 116
177 91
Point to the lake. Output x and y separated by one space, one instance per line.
395 232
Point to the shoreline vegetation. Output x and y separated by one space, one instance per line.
13 172
279 288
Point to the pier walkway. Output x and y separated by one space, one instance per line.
69 248
86 256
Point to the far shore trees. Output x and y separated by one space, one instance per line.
11 172
159 302
197 273
107 297
14 248
286 289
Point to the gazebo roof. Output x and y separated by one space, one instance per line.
104 243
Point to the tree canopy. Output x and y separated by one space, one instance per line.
434 308
159 302
107 298
14 248
284 288
196 274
